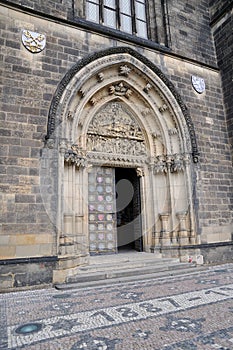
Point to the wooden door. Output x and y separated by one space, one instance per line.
138 242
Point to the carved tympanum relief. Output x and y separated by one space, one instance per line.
113 130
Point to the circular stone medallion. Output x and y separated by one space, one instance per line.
29 328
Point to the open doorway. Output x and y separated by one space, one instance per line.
128 210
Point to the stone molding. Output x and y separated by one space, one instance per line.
116 160
163 164
53 121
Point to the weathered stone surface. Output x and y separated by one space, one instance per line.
32 92
222 25
218 254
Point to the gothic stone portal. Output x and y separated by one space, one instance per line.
121 130
114 210
118 193
114 195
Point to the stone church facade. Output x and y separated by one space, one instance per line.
116 132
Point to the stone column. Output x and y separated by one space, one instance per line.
183 233
67 238
165 234
194 239
71 232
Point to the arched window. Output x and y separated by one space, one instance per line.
128 16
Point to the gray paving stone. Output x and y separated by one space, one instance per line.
182 312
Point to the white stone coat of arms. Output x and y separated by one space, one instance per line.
34 42
198 84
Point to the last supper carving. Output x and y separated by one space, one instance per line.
113 130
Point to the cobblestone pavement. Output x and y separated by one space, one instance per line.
185 312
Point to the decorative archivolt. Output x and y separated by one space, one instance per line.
88 85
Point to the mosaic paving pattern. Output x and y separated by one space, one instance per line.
192 312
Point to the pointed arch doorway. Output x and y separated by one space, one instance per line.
116 112
128 210
116 138
114 210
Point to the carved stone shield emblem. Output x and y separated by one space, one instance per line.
34 42
198 84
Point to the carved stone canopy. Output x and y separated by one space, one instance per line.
114 130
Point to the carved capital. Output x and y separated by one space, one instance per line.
173 163
169 162
177 163
160 166
140 172
76 156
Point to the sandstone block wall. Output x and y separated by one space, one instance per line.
29 81
222 25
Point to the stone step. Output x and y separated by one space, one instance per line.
117 275
124 265
126 256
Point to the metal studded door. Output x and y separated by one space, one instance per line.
101 201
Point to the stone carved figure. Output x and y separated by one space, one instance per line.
120 90
113 130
